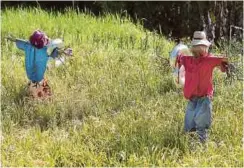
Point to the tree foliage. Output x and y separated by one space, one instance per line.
171 18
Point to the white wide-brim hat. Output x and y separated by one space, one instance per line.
199 38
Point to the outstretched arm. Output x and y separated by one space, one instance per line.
54 54
220 62
11 38
21 44
224 66
57 51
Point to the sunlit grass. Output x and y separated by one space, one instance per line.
114 104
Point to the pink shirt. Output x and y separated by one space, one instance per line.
198 75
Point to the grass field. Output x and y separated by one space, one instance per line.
114 103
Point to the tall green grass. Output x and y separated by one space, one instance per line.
114 103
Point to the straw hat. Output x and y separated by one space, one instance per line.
199 38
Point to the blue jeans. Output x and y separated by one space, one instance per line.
198 116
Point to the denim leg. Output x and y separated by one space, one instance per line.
202 133
189 116
203 117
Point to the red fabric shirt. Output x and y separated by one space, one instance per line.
198 75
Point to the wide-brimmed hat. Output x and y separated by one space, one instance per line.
199 38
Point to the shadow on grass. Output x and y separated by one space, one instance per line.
22 96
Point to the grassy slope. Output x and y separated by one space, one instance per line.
114 104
